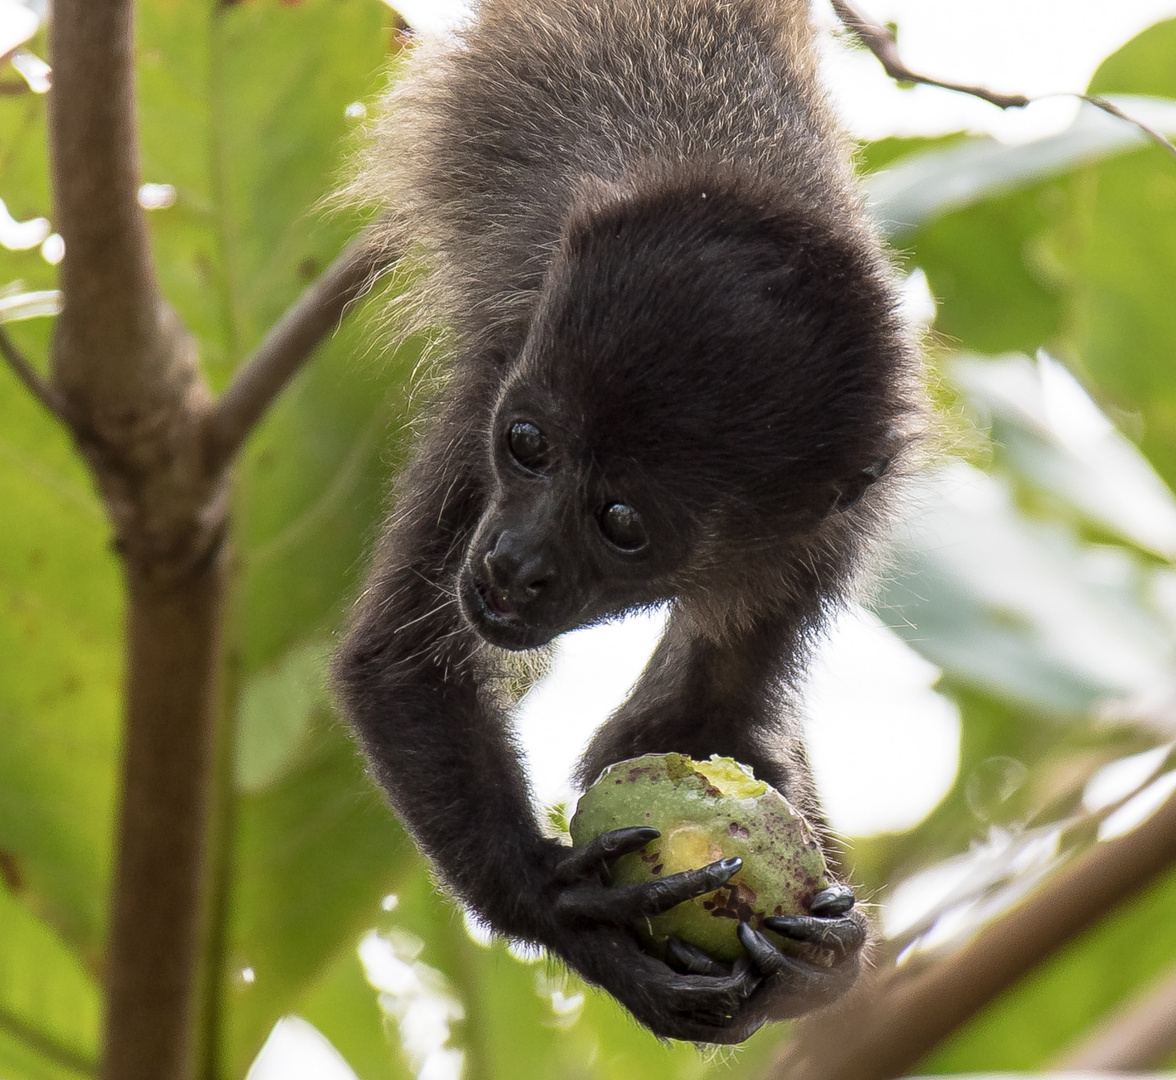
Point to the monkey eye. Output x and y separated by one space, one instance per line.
528 446
622 527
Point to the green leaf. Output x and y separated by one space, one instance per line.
49 1006
1020 608
275 712
1118 251
313 854
1142 66
60 668
1055 440
917 189
343 1005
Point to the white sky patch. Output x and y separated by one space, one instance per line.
1118 779
157 196
1136 811
297 1050
28 305
418 998
53 249
433 17
33 70
884 745
918 305
17 24
591 674
1031 47
21 235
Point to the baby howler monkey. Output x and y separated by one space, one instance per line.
676 375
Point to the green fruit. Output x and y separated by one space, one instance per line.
706 811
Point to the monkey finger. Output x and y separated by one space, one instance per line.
661 894
606 847
691 960
622 904
769 960
793 987
716 999
835 900
840 936
766 958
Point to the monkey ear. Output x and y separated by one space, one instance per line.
849 492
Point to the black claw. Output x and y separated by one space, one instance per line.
839 936
622 841
835 900
805 982
691 960
766 958
623 904
668 892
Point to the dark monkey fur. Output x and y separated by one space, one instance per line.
678 375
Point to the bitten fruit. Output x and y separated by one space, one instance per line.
706 811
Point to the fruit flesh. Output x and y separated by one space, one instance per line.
706 811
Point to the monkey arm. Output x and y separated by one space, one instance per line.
412 677
700 696
409 677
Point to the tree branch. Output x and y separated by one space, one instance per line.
1138 1036
880 41
288 345
1157 137
108 337
895 1024
30 377
127 374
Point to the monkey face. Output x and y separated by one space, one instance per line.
690 393
562 542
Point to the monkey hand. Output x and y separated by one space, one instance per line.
693 997
788 986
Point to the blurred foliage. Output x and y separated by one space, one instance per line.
1037 575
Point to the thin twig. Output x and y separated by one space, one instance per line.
1114 110
1140 1035
908 1013
33 382
287 347
881 42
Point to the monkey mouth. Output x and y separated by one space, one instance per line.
497 619
497 604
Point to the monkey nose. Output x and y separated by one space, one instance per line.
519 576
